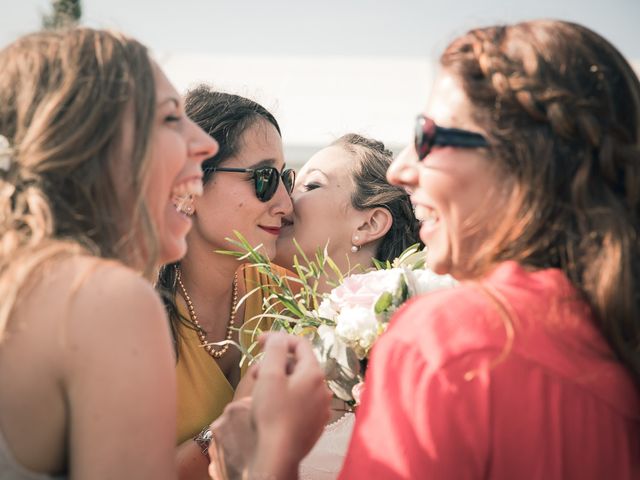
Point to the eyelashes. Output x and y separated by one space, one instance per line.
310 186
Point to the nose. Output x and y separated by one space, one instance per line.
404 170
281 201
202 146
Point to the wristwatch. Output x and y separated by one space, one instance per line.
203 439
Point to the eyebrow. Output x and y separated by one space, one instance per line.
169 99
267 162
312 170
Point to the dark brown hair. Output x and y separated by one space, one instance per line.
561 108
225 117
372 189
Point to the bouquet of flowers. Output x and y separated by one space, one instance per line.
344 324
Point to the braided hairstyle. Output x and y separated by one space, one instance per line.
372 190
561 108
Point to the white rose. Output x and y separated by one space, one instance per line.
357 326
326 310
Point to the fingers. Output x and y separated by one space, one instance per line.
277 348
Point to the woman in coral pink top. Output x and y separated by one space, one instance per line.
525 174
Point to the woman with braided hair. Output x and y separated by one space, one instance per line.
525 174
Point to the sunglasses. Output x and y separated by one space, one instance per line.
428 135
265 179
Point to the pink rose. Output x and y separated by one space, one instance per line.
363 290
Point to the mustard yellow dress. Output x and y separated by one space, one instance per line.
203 390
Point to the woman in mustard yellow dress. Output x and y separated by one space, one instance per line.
246 189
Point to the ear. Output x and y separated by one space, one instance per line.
375 225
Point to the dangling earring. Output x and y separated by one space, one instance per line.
185 204
354 247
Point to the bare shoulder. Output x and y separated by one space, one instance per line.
92 301
102 287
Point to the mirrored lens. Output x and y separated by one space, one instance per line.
266 183
425 136
289 179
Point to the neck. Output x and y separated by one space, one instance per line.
348 264
208 279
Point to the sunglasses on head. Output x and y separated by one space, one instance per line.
428 135
265 179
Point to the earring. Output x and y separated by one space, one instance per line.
354 247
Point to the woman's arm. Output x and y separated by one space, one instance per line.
119 379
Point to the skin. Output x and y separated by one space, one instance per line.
456 191
324 216
71 401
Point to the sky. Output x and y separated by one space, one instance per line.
325 67
326 27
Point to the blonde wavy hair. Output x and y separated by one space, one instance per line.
64 97
561 108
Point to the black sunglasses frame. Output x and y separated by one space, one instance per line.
265 187
428 135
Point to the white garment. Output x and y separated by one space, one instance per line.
325 460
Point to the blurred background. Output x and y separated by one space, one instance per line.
323 68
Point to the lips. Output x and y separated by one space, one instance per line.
271 230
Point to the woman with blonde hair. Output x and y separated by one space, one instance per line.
95 153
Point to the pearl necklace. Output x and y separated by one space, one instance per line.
202 334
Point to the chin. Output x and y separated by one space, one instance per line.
172 253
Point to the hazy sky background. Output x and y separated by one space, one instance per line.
323 67
326 27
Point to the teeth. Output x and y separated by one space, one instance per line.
426 215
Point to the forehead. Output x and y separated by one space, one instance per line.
164 88
332 161
448 104
261 141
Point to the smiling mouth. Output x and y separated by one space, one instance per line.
426 216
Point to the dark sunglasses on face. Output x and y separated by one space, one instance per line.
428 135
265 179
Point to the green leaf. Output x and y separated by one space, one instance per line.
384 302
